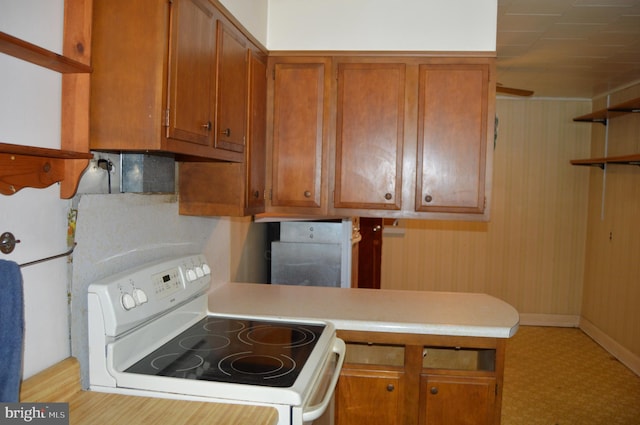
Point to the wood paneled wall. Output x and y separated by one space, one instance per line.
531 254
611 299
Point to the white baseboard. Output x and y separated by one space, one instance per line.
559 320
625 356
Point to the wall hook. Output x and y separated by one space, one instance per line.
8 242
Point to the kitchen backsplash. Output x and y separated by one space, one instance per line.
119 231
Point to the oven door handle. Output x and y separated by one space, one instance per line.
315 411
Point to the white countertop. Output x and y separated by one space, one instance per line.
418 312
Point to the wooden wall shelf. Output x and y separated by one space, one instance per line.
600 162
37 55
25 166
603 115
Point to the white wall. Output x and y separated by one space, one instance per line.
424 25
252 14
30 115
429 25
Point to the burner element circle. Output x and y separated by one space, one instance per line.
223 325
207 342
265 365
177 362
275 335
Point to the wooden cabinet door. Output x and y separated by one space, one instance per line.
452 138
256 153
369 135
369 397
232 189
298 144
231 89
457 400
192 47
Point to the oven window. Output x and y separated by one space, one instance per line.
233 350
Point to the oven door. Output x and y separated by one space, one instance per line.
318 410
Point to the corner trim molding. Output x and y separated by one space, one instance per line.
626 357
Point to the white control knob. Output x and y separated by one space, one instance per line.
199 271
191 275
139 296
127 301
206 269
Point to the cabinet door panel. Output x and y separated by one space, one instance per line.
452 136
231 99
190 72
370 131
256 154
457 400
369 397
298 119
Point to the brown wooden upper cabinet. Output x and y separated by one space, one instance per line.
168 77
411 137
299 98
452 138
192 47
234 189
257 146
231 89
383 136
369 135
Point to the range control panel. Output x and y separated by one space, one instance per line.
167 283
134 296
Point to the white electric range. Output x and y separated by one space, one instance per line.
151 334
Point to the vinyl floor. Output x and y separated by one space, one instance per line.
560 376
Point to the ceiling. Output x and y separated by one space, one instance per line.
568 48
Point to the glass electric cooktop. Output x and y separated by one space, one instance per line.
256 352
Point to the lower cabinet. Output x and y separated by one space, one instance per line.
409 379
457 400
363 391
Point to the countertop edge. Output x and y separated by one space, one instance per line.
444 330
361 309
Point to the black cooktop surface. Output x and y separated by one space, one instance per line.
256 352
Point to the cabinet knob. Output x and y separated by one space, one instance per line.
434 390
226 132
428 198
307 194
256 194
390 387
377 228
207 125
388 196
